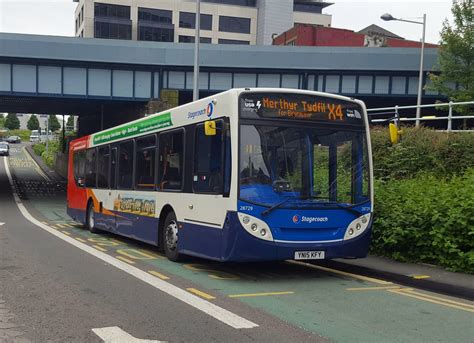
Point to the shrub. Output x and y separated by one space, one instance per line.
421 150
39 149
426 219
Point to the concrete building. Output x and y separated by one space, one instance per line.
222 21
372 36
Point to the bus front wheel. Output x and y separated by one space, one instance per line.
90 218
170 237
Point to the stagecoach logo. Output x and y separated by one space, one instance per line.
208 111
309 220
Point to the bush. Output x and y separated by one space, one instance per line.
48 158
421 150
39 149
23 134
426 219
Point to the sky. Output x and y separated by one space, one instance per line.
56 17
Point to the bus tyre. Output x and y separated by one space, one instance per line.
170 238
90 218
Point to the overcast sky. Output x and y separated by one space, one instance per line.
56 17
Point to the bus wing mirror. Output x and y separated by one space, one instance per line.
210 128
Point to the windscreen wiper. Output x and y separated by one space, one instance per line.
270 209
349 208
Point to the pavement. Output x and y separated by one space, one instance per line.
419 275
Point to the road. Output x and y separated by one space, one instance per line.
59 282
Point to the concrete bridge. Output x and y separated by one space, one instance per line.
110 81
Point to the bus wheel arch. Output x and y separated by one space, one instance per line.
168 233
90 220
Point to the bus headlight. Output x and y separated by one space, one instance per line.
357 226
256 227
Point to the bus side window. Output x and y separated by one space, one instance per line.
208 155
145 163
79 160
103 167
91 168
113 168
171 147
125 167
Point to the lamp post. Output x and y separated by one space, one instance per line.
389 17
197 41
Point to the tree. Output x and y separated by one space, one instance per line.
33 123
53 123
12 122
70 123
456 56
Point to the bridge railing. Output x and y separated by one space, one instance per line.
394 113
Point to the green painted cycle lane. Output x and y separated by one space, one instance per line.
339 307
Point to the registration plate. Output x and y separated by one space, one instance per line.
309 255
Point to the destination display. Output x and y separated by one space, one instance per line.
299 107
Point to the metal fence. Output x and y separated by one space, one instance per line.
394 114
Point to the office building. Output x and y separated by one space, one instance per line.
222 21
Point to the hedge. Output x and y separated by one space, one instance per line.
424 198
426 219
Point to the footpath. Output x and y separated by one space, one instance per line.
418 275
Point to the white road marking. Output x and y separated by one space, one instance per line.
38 169
2 223
114 334
205 306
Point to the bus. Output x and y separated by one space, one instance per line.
245 175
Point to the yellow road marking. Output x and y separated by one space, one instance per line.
37 167
155 255
157 274
66 233
259 294
60 226
81 240
425 298
68 225
372 288
340 272
99 248
420 277
125 259
411 291
45 223
200 293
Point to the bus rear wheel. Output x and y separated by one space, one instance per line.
170 238
90 218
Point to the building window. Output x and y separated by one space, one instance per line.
155 15
187 20
191 39
111 11
234 24
234 41
250 3
307 8
171 160
81 17
155 25
112 30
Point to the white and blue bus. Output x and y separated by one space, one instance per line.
244 175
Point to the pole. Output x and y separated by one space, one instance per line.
197 41
450 117
47 134
420 81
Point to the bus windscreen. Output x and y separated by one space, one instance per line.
299 107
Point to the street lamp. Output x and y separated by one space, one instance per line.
389 17
197 41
